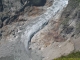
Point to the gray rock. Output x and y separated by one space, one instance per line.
7 58
1 6
1 24
11 5
68 30
0 36
7 8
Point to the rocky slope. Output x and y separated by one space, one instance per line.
70 22
38 32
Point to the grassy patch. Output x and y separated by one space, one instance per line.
72 56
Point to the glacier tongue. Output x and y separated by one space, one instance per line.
42 21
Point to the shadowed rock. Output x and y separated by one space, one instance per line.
1 6
38 2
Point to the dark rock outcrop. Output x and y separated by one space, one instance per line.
1 24
37 2
1 6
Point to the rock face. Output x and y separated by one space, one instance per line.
1 24
38 32
7 8
10 5
38 2
70 22
1 6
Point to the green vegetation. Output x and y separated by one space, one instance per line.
72 56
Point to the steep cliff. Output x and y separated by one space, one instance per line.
70 22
